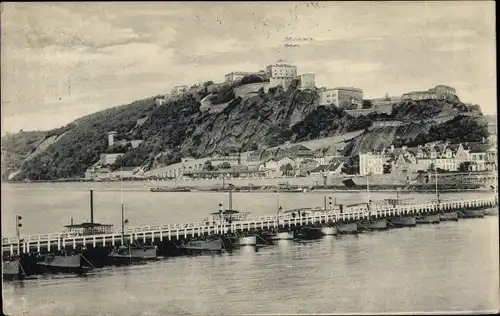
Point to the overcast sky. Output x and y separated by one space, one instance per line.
61 61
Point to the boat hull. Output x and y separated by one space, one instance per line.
471 213
309 233
62 264
204 245
144 253
283 236
329 230
11 270
492 211
248 241
349 228
428 219
126 256
379 224
407 221
449 216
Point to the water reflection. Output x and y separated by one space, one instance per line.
397 270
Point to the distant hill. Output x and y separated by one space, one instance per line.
181 128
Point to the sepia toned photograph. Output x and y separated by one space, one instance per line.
249 158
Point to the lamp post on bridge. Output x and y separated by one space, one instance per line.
18 232
221 212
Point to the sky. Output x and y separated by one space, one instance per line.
61 61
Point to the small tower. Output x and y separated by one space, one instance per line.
111 138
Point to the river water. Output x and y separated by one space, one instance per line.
452 266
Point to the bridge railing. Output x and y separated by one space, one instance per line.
354 211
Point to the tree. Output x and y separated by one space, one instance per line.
225 165
351 166
208 166
367 104
286 169
251 79
387 167
464 166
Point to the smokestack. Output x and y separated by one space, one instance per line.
92 208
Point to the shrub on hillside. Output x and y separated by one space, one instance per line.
251 79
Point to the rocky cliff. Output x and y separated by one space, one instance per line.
181 128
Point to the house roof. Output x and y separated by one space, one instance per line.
309 160
477 147
332 166
127 169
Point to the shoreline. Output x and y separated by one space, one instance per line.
216 187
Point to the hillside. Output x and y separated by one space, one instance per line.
17 147
181 128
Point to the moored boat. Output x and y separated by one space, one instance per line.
477 213
347 228
329 230
144 252
247 241
63 264
428 219
176 189
379 224
124 254
491 211
12 270
406 221
309 233
204 245
284 235
449 216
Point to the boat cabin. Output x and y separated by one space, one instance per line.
228 216
398 201
299 212
89 229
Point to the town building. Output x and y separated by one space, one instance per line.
284 82
385 101
108 159
178 90
236 75
445 157
444 92
349 98
281 71
97 173
305 166
441 92
334 167
401 164
483 156
282 167
419 95
371 163
307 81
342 97
327 96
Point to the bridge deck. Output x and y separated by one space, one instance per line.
176 231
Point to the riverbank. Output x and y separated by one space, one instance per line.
303 189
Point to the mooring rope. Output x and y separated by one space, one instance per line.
263 240
21 266
87 261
